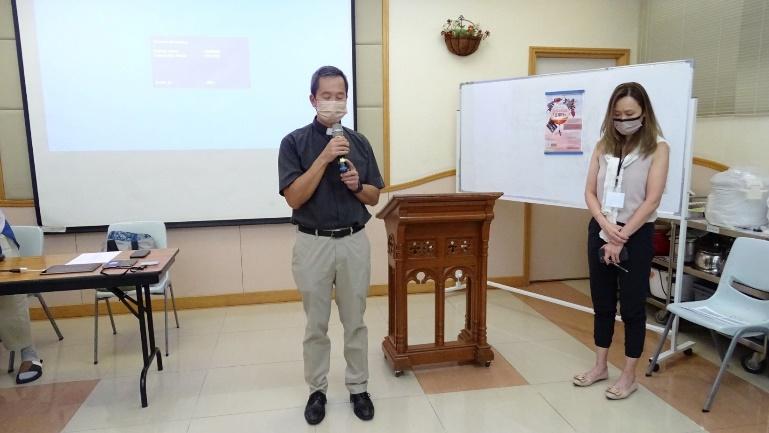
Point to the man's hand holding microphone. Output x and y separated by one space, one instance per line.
335 150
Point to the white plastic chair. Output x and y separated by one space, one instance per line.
157 230
30 239
744 316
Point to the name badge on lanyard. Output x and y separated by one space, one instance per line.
615 199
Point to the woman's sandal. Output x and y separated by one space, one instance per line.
29 371
582 379
613 393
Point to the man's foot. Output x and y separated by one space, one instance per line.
362 406
596 374
29 371
315 410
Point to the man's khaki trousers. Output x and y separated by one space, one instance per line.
321 264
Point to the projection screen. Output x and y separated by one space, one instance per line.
170 110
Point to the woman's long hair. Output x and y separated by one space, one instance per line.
645 139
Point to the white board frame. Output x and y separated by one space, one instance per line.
674 213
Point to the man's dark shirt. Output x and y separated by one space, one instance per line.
332 205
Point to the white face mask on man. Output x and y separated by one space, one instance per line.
628 126
331 111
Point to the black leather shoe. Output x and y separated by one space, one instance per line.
315 410
362 406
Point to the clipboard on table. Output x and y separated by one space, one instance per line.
70 269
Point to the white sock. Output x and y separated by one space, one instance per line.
29 354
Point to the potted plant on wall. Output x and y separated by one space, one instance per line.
463 36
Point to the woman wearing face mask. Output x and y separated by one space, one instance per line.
626 179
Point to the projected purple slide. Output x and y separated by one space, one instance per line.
200 62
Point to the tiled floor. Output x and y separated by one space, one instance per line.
702 339
450 377
240 369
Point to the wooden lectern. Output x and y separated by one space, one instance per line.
438 237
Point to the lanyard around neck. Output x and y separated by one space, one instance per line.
619 166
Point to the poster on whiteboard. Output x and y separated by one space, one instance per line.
563 123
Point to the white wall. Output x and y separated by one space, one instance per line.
425 77
733 140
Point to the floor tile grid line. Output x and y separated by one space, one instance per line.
133 425
197 398
547 339
211 355
266 411
301 404
205 379
437 416
186 430
270 328
566 420
673 405
129 373
338 357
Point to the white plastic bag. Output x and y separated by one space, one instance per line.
738 198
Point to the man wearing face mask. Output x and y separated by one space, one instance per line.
332 251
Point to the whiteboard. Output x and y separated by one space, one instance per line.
502 132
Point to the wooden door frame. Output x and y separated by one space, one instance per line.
622 58
620 55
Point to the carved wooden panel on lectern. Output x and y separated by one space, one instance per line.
439 238
459 247
421 248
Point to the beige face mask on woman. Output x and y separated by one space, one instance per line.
628 126
331 111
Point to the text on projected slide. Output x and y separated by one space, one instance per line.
200 62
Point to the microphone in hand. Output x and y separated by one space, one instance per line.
338 131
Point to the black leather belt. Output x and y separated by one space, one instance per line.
334 233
